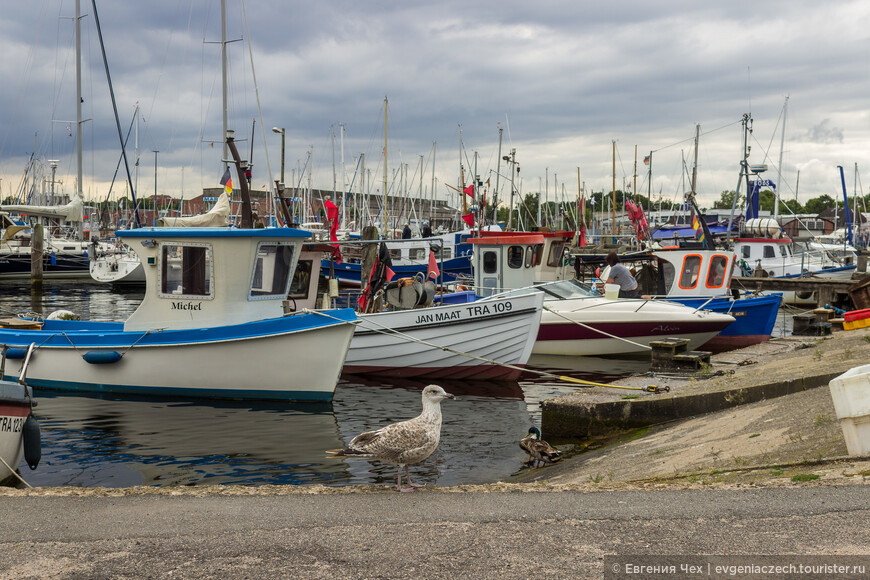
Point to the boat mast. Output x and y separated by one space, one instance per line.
225 158
613 197
695 162
79 172
497 172
779 166
384 207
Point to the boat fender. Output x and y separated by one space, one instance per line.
15 353
101 357
32 442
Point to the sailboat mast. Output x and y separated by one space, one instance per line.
613 196
695 162
384 207
79 171
779 165
226 154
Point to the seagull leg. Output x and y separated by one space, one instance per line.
399 482
408 477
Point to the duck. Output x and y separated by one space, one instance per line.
404 443
538 449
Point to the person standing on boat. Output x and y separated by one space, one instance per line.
406 232
621 275
425 231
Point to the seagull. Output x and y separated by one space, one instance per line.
404 443
537 449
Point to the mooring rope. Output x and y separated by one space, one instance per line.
390 331
586 326
15 473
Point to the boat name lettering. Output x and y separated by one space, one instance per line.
665 328
186 306
11 424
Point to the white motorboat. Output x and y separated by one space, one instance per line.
578 321
211 324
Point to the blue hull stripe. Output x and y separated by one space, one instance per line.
240 393
110 335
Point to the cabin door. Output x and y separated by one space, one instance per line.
490 278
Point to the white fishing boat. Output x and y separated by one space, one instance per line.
577 320
19 432
469 341
211 324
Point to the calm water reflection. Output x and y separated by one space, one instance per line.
114 441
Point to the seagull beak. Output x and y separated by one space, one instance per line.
449 396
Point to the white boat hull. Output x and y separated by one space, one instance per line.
14 410
118 269
255 367
599 327
481 336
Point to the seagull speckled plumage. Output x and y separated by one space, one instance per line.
404 443
538 449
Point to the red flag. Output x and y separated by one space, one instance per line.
469 219
332 216
390 274
434 272
469 190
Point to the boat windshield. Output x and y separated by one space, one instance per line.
567 289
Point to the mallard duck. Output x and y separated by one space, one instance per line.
404 443
538 449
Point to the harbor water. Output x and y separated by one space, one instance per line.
114 441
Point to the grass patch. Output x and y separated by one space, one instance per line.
629 397
804 477
754 435
822 419
776 472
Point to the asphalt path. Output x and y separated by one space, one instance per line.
427 534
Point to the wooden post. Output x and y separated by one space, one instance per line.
36 255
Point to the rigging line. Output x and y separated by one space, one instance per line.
692 139
259 107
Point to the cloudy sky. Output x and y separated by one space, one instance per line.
563 79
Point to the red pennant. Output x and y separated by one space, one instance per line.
469 219
434 272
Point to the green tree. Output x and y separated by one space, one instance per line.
726 200
819 204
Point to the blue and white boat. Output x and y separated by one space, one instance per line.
212 324
411 257
700 278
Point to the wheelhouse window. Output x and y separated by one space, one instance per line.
530 257
556 251
515 257
186 270
490 262
716 275
272 268
745 251
769 252
539 253
417 253
443 253
689 273
301 279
